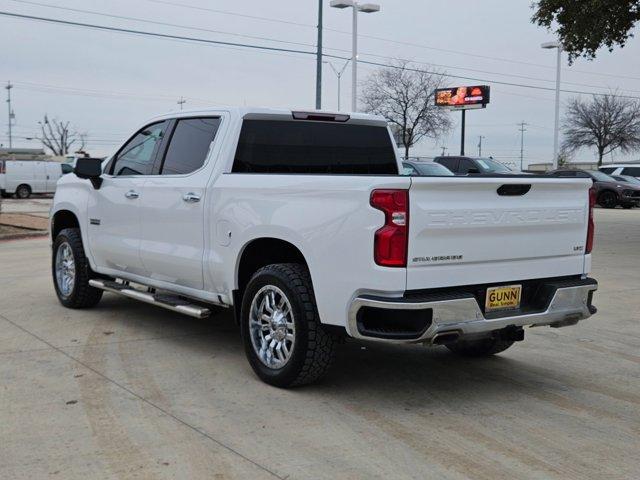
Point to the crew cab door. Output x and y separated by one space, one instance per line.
172 204
114 209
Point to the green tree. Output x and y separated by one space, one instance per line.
584 26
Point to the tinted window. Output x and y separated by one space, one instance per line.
137 156
633 171
450 163
566 173
189 145
488 165
467 166
607 169
276 146
66 168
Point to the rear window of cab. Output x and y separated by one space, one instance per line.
291 146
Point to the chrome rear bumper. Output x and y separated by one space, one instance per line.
567 306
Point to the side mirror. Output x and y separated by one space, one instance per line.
90 169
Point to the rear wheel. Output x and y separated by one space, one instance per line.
23 191
71 271
283 338
480 348
608 200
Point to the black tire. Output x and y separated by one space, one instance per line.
81 295
608 200
313 349
484 347
628 206
23 192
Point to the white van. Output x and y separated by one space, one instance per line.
24 177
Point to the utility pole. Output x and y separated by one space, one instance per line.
480 137
319 59
181 102
444 149
522 130
11 114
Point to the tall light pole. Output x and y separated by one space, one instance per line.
556 129
319 59
356 7
339 75
480 138
11 114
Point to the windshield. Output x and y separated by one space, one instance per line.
602 177
432 169
489 165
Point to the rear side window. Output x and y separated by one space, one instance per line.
280 146
633 171
450 163
189 145
607 170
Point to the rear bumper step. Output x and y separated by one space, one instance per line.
436 317
169 302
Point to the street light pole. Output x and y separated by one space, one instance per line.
357 7
319 59
556 129
339 75
480 138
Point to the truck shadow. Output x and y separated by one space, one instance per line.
402 373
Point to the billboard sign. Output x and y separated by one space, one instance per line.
462 98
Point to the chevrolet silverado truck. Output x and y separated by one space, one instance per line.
301 223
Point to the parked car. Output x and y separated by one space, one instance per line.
621 169
428 169
609 192
473 165
24 177
302 224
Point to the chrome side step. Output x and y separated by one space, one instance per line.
170 302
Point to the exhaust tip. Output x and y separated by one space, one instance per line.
446 337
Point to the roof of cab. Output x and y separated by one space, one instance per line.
243 112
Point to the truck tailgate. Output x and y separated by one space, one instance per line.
463 232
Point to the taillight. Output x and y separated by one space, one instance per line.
591 226
391 241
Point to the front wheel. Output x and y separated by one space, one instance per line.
608 200
71 271
283 338
480 348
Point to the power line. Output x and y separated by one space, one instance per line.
388 40
270 39
278 49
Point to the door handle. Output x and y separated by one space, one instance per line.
132 194
191 197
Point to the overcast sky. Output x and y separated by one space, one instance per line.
107 83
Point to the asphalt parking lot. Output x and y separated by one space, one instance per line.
129 391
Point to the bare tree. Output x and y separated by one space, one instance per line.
404 96
606 122
58 137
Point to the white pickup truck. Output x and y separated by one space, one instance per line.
301 223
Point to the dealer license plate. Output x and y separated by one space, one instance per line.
502 298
